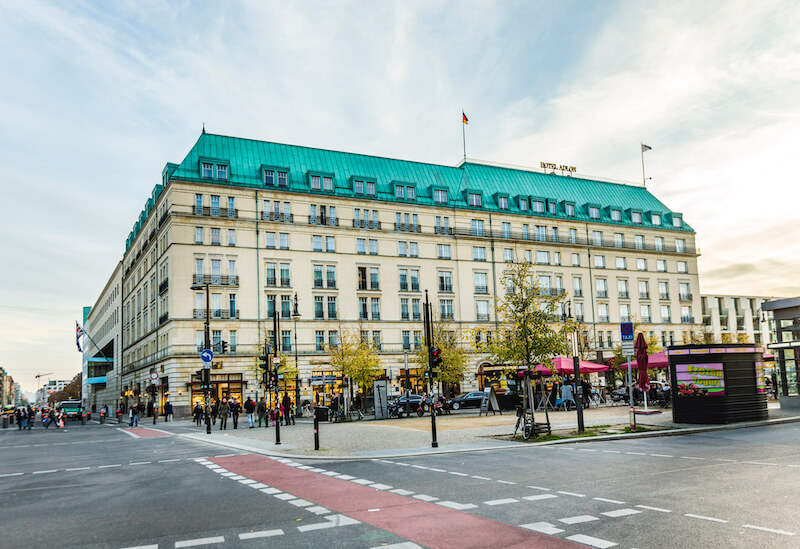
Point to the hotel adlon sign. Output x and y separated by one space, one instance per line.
560 167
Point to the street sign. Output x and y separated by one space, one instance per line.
626 329
627 348
276 360
154 375
207 355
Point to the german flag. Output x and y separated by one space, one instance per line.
464 118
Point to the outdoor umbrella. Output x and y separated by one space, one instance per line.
656 360
640 347
564 365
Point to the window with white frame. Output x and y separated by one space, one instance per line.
570 210
316 182
621 263
656 219
616 215
508 255
443 251
600 261
474 199
330 244
659 243
641 264
576 260
440 196
683 267
523 204
622 288
478 253
361 246
556 258
597 238
231 237
594 212
636 217
680 245
198 235
502 202
543 257
677 222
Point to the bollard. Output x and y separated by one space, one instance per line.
316 430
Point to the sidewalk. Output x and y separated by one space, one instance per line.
463 431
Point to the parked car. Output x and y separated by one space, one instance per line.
398 406
467 400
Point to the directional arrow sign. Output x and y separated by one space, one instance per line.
207 355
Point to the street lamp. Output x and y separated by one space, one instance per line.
295 316
576 365
207 345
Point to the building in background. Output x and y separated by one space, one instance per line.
786 346
6 388
735 319
52 386
356 240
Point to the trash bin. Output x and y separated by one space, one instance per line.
5 422
322 413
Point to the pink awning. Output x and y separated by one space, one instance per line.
657 360
563 366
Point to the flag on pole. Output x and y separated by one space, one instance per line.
646 148
78 334
464 118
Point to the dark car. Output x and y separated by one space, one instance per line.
467 400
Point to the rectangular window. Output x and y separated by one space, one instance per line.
370 188
594 212
619 240
624 313
373 246
445 281
443 251
684 291
621 263
208 170
318 276
661 265
683 267
331 307
327 184
528 256
330 276
659 243
222 171
526 232
403 280
600 261
641 264
215 237
316 183
269 177
198 235
413 249
286 279
677 222
404 314
481 284
556 258
665 314
570 209
576 260
283 179
414 280
616 215
636 217
482 310
573 236
551 207
271 277
319 338
358 187
363 308
644 289
523 204
333 338
440 196
508 255
537 206
680 245
502 202
286 306
284 241
543 258
402 247
686 315
316 242
663 290
411 193
269 240
446 309
374 279
602 287
597 238
376 339
415 309
361 246
602 312
477 227
375 303
656 219
638 241
215 205
330 244
474 200
622 289
399 192
406 335
541 233
506 230
231 237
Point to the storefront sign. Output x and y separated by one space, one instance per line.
700 379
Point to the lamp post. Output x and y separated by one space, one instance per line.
206 345
577 388
276 365
295 316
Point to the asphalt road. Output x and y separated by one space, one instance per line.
98 486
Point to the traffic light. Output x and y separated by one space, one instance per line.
205 378
224 347
264 362
436 354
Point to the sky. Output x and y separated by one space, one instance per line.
98 96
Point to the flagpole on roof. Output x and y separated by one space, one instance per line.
464 132
645 148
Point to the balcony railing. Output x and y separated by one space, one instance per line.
416 316
553 292
602 293
578 292
646 319
482 317
622 318
664 296
624 295
481 289
376 316
644 295
410 228
366 224
685 297
604 319
215 212
217 280
323 220
446 288
285 282
163 286
404 316
666 320
403 287
271 281
216 313
443 230
278 217
686 320
447 316
163 318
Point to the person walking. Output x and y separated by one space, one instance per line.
334 408
134 416
198 413
286 404
214 412
249 408
31 416
51 418
262 412
236 409
223 411
168 410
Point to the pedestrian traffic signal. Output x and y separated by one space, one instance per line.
224 347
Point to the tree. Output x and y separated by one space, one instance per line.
71 391
454 354
743 338
726 338
354 358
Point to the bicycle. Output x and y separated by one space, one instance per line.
525 419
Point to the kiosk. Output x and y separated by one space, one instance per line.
722 383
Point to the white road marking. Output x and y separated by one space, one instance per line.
690 457
758 463
578 519
481 478
318 510
701 517
231 455
621 513
425 497
259 485
228 474
385 461
401 492
571 494
199 541
726 460
378 486
612 451
455 505
506 482
404 545
43 472
659 509
542 527
136 463
420 467
284 496
122 431
261 534
107 466
143 547
332 521
538 497
331 474
301 503
437 470
794 465
372 510
590 541
363 481
539 488
588 450
167 460
18 474
236 477
318 470
503 501
661 455
305 467
401 464
346 477
247 481
458 474
610 501
636 453
271 491
770 530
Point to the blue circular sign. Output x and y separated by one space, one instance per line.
207 355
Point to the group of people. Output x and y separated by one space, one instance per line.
284 413
138 409
26 416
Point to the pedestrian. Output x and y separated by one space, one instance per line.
334 408
250 408
198 413
214 412
236 409
51 418
135 418
223 411
31 416
168 410
286 404
357 401
262 412
18 418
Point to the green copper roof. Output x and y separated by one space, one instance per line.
247 158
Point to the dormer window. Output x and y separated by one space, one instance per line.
616 215
370 188
358 187
551 207
327 184
440 196
537 206
502 202
570 209
474 200
222 171
269 177
656 219
677 222
208 170
523 204
316 182
411 193
594 212
636 217
283 179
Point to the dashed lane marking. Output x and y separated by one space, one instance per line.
758 463
636 453
506 482
199 541
543 527
540 488
578 519
458 474
13 474
79 468
481 478
692 457
621 513
455 505
437 470
154 546
401 464
109 466
661 455
425 497
401 492
659 509
538 497
138 463
167 460
503 501
770 530
43 472
701 517
610 501
591 542
261 534
573 494
332 522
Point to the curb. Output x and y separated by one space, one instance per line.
623 436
